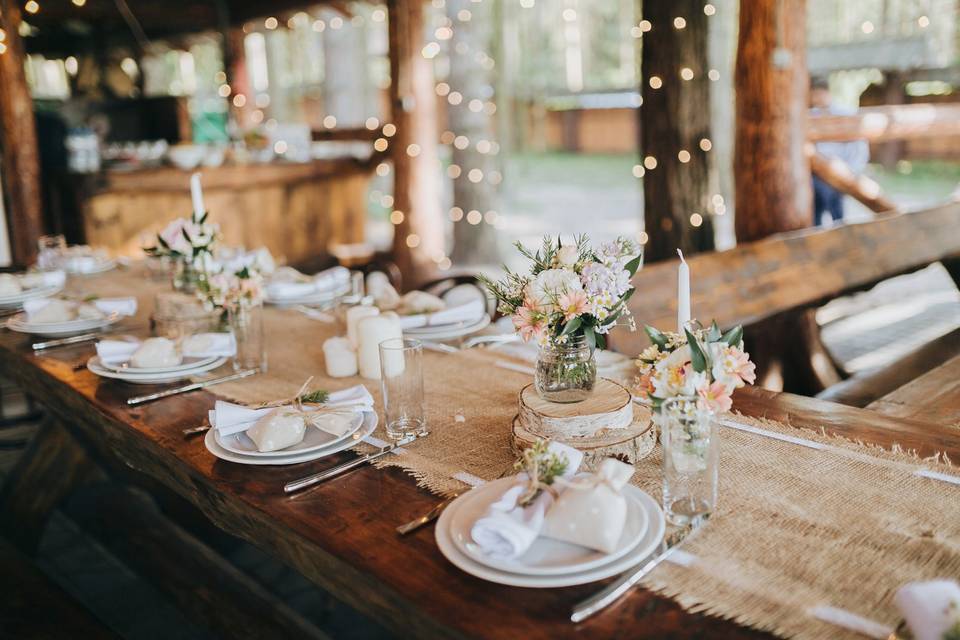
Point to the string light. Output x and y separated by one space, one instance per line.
923 22
705 144
645 26
319 26
413 241
454 171
867 27
456 214
413 149
271 23
330 122
696 219
378 15
709 9
650 163
643 238
683 156
484 146
447 137
383 169
372 123
461 142
386 201
79 3
444 264
3 48
475 105
396 217
32 6
430 50
464 15
257 116
490 217
389 129
636 32
713 74
638 171
475 176
380 144
527 4
455 98
239 100
280 147
223 90
679 23
569 15
442 89
336 22
443 33
3 35
686 73
655 82
474 217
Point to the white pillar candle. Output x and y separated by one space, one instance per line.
340 357
196 194
371 331
683 294
354 316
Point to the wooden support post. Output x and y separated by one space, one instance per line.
419 237
52 465
674 119
771 170
18 137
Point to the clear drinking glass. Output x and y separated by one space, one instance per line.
50 250
691 460
246 324
401 379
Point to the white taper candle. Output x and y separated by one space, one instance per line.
196 194
683 294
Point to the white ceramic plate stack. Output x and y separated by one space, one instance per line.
22 324
548 563
316 444
314 298
16 300
154 375
88 265
448 331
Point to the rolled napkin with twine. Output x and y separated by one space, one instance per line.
930 609
201 345
65 308
591 511
473 310
229 418
507 529
289 283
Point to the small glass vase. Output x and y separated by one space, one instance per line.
246 325
186 276
566 371
691 459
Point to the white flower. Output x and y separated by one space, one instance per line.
173 236
567 256
550 284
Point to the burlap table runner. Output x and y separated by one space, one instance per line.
796 527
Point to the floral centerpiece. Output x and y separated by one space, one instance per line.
189 244
239 294
568 302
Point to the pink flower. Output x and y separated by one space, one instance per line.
715 398
528 323
572 304
744 368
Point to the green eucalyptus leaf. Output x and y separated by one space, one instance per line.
572 326
634 264
591 338
656 336
733 337
697 357
714 334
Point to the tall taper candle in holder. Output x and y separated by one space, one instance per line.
196 195
683 294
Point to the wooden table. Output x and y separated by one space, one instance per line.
933 397
341 536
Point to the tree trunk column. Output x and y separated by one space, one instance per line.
771 171
18 137
418 241
675 129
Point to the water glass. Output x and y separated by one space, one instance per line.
246 325
50 251
691 460
401 379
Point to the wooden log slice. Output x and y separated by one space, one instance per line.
630 445
608 409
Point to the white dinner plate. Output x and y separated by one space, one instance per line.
187 364
101 266
18 299
93 364
313 439
545 557
648 543
448 331
315 298
367 428
20 324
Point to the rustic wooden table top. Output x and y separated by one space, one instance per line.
341 535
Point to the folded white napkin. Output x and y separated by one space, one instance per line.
507 530
930 609
39 279
472 310
202 345
107 306
292 284
228 418
82 264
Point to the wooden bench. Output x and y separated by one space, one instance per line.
775 285
34 607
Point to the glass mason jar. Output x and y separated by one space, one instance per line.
246 325
186 276
691 459
566 371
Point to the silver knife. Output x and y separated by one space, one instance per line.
62 342
203 384
308 481
426 518
622 585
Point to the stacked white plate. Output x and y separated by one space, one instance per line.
548 563
154 375
316 444
88 265
21 323
448 331
17 299
320 297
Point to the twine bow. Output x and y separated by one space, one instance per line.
295 401
297 405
